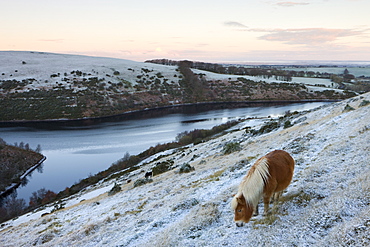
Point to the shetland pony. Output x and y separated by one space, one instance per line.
269 176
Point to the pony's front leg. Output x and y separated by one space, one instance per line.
255 212
266 202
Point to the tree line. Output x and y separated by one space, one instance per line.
12 206
26 146
264 71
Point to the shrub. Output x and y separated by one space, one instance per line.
60 205
162 167
116 188
266 128
231 147
364 103
238 166
186 204
185 168
142 181
287 124
348 108
198 135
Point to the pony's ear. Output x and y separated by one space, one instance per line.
240 199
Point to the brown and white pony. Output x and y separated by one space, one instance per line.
269 176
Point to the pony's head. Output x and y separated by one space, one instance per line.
243 210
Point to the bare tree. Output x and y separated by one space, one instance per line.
38 149
14 206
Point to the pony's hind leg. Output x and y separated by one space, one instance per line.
268 198
276 197
266 203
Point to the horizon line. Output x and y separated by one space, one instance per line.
245 62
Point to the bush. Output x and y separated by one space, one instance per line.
266 128
142 181
287 124
348 108
185 168
116 188
186 204
231 147
162 167
198 135
364 103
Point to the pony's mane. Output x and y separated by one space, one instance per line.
234 201
252 185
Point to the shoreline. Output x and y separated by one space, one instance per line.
146 113
14 186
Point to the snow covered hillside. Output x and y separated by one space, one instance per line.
51 68
47 86
327 204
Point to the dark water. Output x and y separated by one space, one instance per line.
75 153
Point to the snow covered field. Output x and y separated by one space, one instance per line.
52 67
49 69
327 204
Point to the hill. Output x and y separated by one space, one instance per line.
44 86
327 204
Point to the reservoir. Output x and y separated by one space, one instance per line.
74 153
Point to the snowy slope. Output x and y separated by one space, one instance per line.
327 204
21 65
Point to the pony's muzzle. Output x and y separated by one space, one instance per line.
239 223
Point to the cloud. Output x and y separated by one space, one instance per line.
235 24
308 36
300 36
290 4
327 52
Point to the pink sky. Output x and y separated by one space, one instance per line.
212 31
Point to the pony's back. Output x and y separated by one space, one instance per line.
281 169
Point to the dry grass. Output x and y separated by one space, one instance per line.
198 219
